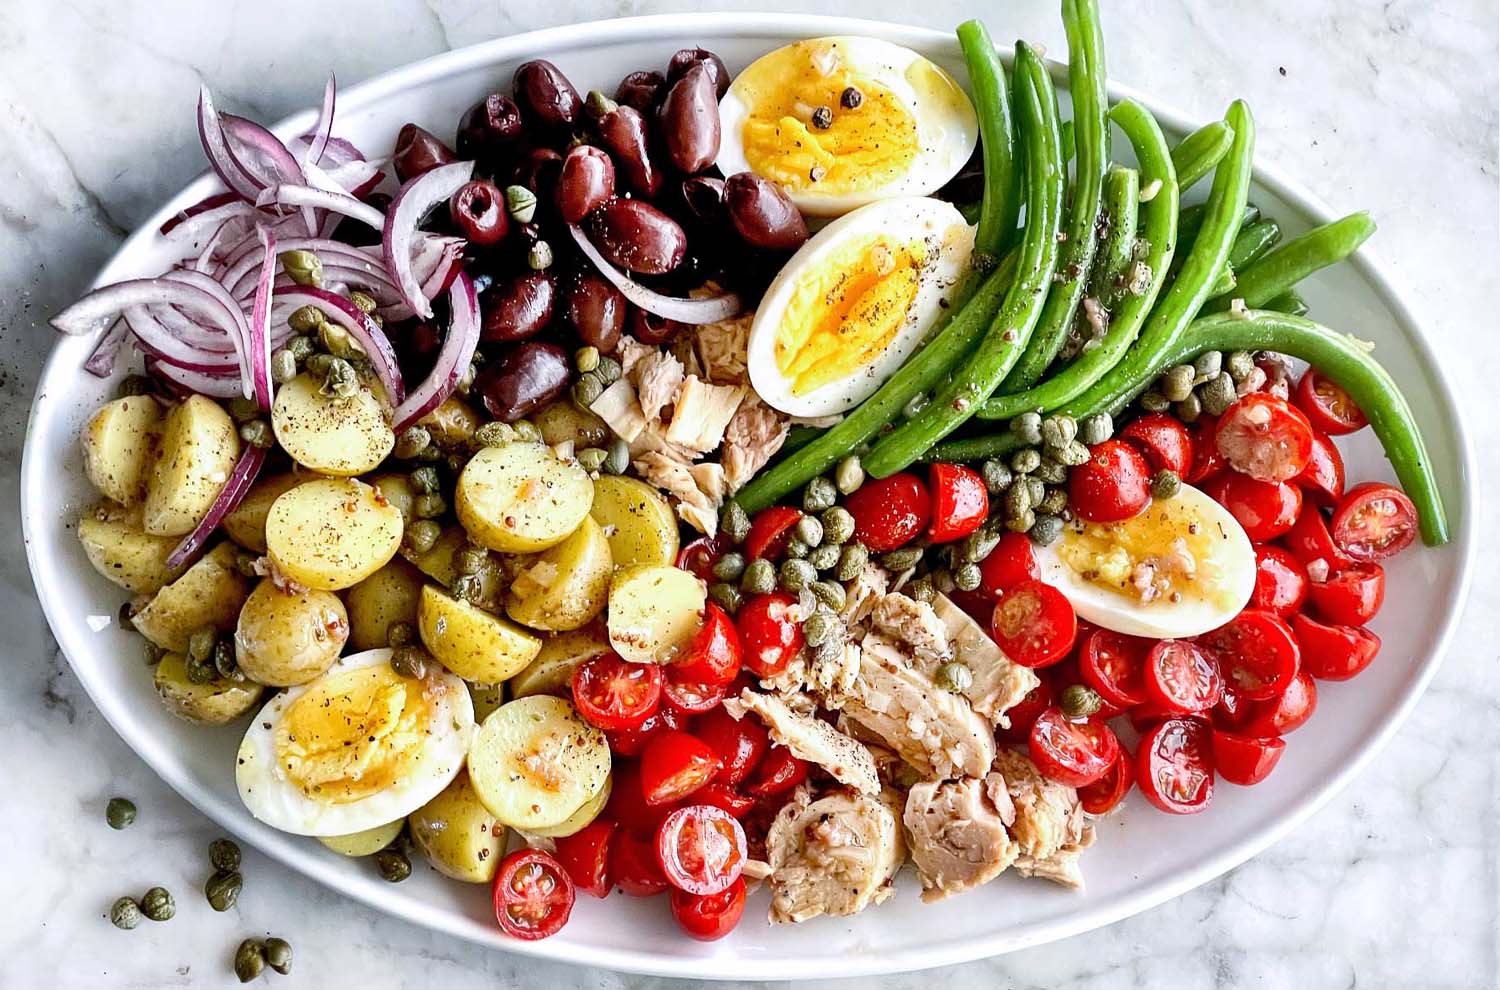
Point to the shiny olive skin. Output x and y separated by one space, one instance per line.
689 119
649 328
478 211
637 236
641 91
490 128
547 96
538 171
762 214
596 309
418 151
703 195
624 132
518 308
689 57
524 377
586 182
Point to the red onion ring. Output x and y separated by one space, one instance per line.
365 331
323 129
216 148
322 199
233 492
452 360
260 324
708 310
106 353
190 382
411 204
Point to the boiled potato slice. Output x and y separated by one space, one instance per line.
458 835
332 533
367 842
472 643
535 762
567 585
440 565
124 553
519 497
214 702
564 422
486 698
246 522
399 491
199 445
591 809
209 593
389 595
451 424
330 435
119 442
285 638
552 670
654 612
637 520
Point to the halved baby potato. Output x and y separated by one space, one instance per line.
330 434
332 533
535 762
654 612
486 698
451 424
209 593
520 497
285 637
199 445
472 643
246 522
388 596
216 702
439 563
124 553
591 809
637 520
565 586
366 842
399 491
552 670
119 443
457 833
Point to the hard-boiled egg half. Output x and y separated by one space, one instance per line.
1177 569
357 747
854 302
840 122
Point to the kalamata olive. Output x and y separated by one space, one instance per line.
586 182
544 91
649 328
637 236
524 377
762 214
418 151
690 120
518 308
478 211
490 128
596 309
623 131
641 90
689 57
704 197
538 171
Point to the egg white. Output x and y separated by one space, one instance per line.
271 798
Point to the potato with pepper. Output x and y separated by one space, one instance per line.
289 637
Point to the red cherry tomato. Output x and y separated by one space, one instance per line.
1280 581
1024 713
699 556
627 802
1286 713
701 849
1245 760
1374 521
1265 437
585 856
1310 542
1106 793
740 744
674 765
1207 460
634 865
1113 484
730 800
1182 678
533 895
1072 752
960 502
770 532
1163 440
1233 709
1034 624
692 697
1149 715
889 512
1350 597
778 773
1265 509
707 917
769 637
630 742
1114 665
1327 406
1257 654
614 694
1011 562
713 656
1322 480
1334 653
1174 765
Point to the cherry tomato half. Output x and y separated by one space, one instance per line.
692 697
1280 581
675 764
713 655
1245 760
1034 624
960 502
627 802
778 773
634 865
1334 653
701 849
1207 461
726 798
1174 765
1374 521
740 744
889 512
630 742
1327 406
533 895
585 856
1073 752
1181 677
1011 562
614 694
1350 597
1310 542
1265 509
1256 652
1114 665
1163 440
1113 484
1265 437
1024 713
707 917
1322 480
1105 794
1233 709
699 556
1286 713
770 532
769 637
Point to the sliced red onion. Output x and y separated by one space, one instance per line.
206 205
190 382
336 256
365 331
159 342
353 178
216 148
708 310
103 306
106 353
260 153
233 315
233 492
452 360
323 129
323 199
436 268
410 206
260 325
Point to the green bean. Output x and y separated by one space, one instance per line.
971 449
1086 84
1347 361
1189 291
1290 302
1299 258
1223 282
1001 205
957 399
1191 220
798 437
1197 154
1158 224
1253 242
1069 145
1121 200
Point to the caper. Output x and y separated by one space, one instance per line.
157 904
392 864
1021 523
539 256
119 813
1058 430
341 380
257 433
224 855
1177 383
591 458
586 359
759 577
915 405
942 580
1038 490
336 341
429 506
900 560
520 203
819 627
1207 366
125 913
734 522
364 302
318 364
1189 409
201 643
494 434
729 566
1028 426
422 535
587 389
301 347
241 409
1154 401
922 589
794 574
609 370
966 577
1052 471
1045 529
223 889
796 548
470 559
838 525
1165 484
1218 394
978 545
954 676
1054 501
830 593
819 494
849 474
809 531
249 960
425 479
132 385
852 560
1073 454
1239 364
200 671
527 430
824 557
305 319
303 267
997 477
1025 460
1096 428
411 442
467 588
1080 701
283 366
1017 501
279 955
225 663
617 457
726 595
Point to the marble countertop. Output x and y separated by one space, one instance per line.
1388 105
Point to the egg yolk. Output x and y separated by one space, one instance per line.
1165 553
849 309
785 138
354 734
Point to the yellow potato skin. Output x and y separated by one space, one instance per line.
328 434
458 835
120 443
389 595
216 702
209 593
284 638
521 497
366 842
470 642
638 521
565 587
246 522
124 553
654 612
552 670
332 533
199 445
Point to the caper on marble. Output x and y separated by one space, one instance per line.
224 855
759 577
249 960
392 864
223 889
125 913
278 955
119 813
157 904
